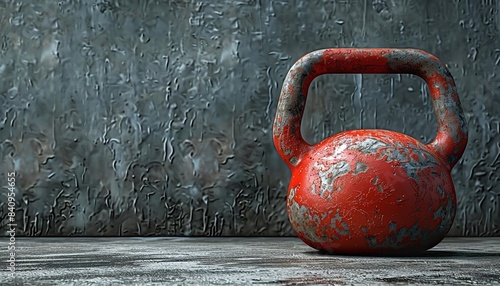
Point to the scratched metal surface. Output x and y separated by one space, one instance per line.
154 117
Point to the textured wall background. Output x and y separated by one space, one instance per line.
154 117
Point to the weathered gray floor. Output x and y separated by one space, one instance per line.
241 261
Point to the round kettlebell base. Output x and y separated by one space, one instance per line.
332 249
372 192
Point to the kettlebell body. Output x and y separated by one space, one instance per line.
371 191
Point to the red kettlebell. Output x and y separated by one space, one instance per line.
374 192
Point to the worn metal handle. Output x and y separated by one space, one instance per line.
452 135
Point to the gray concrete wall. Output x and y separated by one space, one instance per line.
154 117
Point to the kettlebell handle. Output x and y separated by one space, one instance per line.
452 135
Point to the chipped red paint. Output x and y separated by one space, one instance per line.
371 191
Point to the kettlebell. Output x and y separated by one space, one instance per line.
370 191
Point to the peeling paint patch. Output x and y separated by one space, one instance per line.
392 226
412 158
360 168
368 145
392 153
337 220
440 190
313 190
398 237
380 189
285 149
371 241
328 177
306 223
302 220
445 213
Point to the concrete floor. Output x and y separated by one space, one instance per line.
241 261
